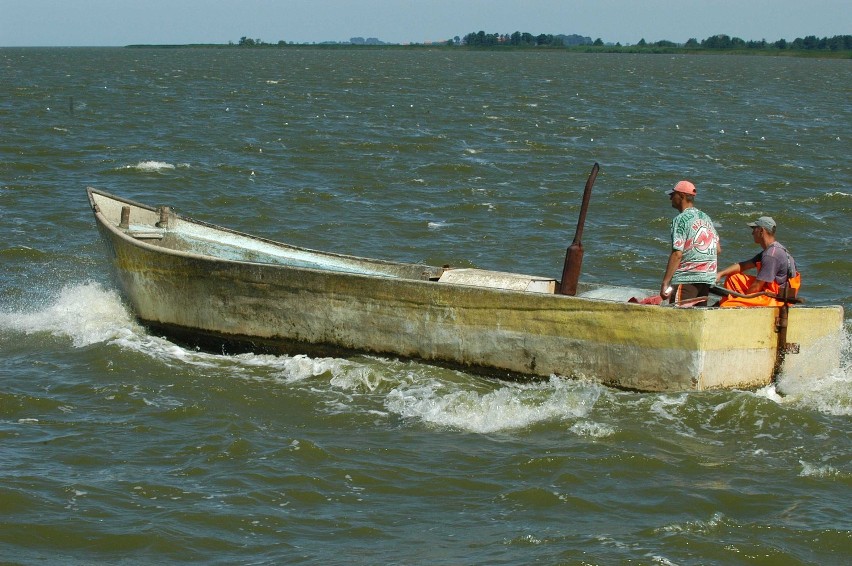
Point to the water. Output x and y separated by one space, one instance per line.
121 447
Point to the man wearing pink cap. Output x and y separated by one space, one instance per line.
691 269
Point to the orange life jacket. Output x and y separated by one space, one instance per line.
740 283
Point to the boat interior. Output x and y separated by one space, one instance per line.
163 228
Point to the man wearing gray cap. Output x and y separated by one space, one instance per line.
775 270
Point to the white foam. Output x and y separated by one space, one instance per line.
151 166
509 407
592 429
664 406
360 378
696 526
817 471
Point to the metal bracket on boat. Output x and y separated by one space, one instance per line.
125 218
124 224
164 217
434 274
781 329
150 235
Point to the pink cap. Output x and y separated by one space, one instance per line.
684 187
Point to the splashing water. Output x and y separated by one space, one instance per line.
88 314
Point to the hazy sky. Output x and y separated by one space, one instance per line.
123 22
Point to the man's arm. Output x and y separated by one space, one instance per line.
757 286
734 268
671 267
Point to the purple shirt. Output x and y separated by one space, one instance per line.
774 264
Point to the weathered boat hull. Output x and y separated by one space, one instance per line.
214 285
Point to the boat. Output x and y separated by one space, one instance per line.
222 290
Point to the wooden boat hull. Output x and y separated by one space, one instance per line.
216 286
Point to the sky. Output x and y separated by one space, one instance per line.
126 22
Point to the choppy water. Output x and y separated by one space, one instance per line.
117 446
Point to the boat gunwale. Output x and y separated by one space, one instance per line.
102 220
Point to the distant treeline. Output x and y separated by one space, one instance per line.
721 41
480 39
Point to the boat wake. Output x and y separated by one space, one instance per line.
87 314
830 394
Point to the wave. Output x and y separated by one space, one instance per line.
24 253
154 166
512 406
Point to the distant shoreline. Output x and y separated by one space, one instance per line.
611 49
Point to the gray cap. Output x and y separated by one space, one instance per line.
763 222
